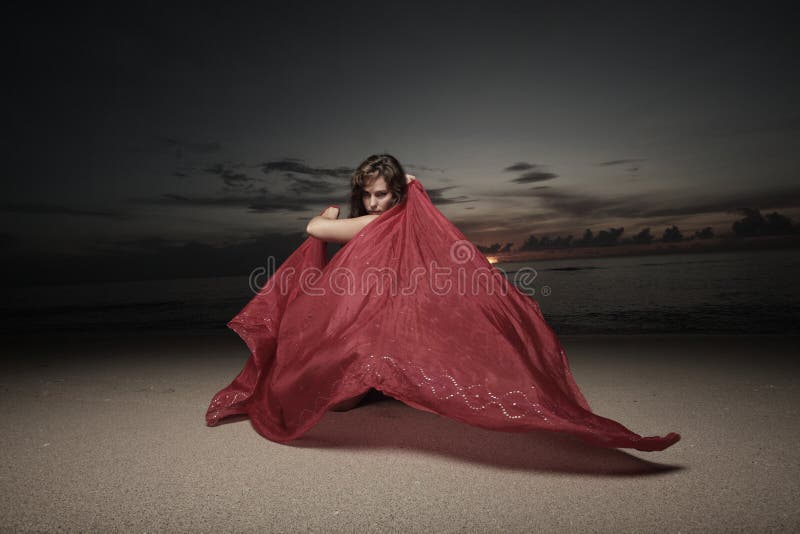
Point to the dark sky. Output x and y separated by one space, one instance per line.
160 141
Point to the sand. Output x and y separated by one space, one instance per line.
108 434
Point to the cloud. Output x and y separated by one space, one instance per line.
620 162
310 195
534 176
520 166
500 224
572 203
55 209
232 180
313 183
305 186
297 166
646 205
560 211
258 202
556 203
437 196
275 204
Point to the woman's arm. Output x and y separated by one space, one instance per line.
335 230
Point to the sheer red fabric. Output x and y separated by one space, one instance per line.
411 308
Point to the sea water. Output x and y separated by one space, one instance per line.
752 292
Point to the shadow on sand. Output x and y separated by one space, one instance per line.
381 422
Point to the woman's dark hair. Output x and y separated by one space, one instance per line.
369 170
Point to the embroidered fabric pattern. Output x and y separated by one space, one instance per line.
513 404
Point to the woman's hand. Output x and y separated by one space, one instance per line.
409 178
331 212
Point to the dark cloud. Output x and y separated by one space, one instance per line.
297 166
308 187
534 176
520 166
301 179
220 168
620 162
55 209
276 204
437 196
305 186
500 224
237 180
556 203
643 206
532 191
575 204
231 179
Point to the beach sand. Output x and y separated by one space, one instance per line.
108 434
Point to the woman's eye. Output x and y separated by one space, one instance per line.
381 195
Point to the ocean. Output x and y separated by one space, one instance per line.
751 292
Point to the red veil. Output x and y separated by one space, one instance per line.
410 308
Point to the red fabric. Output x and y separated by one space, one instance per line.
482 355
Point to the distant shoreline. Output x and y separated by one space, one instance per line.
724 244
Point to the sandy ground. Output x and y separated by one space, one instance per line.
108 434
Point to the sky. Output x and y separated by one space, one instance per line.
158 141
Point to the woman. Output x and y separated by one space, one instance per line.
377 184
409 307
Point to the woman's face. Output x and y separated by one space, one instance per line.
377 198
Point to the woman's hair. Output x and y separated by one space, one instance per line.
369 170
